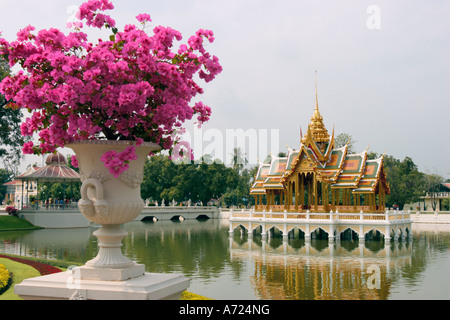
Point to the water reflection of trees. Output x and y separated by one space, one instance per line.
315 270
430 240
191 247
74 245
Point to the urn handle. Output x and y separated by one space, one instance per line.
88 207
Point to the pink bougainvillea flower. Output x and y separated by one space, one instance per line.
130 86
28 148
143 17
74 161
118 162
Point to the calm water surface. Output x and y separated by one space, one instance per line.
224 267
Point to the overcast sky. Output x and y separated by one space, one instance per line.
383 67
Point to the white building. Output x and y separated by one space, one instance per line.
20 192
441 198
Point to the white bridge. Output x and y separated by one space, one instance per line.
394 225
71 217
178 213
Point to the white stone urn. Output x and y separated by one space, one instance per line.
110 202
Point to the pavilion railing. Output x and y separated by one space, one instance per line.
389 216
318 208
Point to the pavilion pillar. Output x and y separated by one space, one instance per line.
28 189
333 199
302 190
371 201
296 191
285 193
381 196
281 197
21 201
288 195
310 194
315 192
291 191
323 197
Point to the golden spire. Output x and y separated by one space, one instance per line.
317 99
318 131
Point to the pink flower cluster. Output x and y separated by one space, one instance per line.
133 85
118 162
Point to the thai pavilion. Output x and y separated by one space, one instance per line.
320 177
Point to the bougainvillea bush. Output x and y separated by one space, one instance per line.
12 211
132 86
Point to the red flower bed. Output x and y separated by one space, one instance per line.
43 268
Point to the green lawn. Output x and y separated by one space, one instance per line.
8 223
21 271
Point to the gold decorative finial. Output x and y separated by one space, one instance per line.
317 99
316 127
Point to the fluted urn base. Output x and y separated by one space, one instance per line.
110 263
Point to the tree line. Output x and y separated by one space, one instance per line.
407 184
202 182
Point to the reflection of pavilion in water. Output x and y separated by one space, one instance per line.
317 269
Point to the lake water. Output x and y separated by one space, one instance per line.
221 266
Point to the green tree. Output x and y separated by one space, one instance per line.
432 186
345 138
163 179
405 181
11 139
159 172
239 160
5 176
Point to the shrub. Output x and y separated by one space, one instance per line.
43 268
12 211
5 279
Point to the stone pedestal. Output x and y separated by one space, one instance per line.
64 286
118 274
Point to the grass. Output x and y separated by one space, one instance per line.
11 223
20 272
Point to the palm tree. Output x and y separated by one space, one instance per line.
239 159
